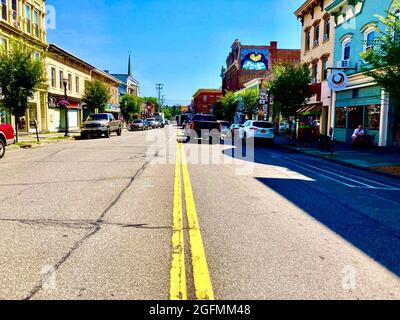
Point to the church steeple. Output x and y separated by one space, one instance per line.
129 65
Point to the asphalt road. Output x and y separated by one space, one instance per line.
92 219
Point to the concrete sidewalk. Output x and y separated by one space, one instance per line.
377 159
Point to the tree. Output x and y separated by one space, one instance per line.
130 105
218 110
20 76
96 95
383 61
290 88
167 113
250 99
229 105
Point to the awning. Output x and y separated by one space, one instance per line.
310 109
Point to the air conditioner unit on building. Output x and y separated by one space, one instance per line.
343 64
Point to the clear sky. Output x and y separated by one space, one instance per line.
180 43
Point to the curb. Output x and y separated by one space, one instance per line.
347 164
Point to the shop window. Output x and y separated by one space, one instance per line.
340 120
356 115
372 117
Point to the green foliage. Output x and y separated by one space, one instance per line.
229 105
96 95
20 77
218 110
130 105
175 110
290 88
151 100
383 62
167 113
250 99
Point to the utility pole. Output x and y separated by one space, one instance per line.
159 88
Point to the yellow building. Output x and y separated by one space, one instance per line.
317 47
24 21
63 68
112 83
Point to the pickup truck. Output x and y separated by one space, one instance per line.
203 126
6 137
99 124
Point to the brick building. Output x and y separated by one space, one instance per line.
204 99
248 62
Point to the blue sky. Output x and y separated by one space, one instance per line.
181 43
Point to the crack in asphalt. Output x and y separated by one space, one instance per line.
64 181
97 227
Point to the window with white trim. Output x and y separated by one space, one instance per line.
346 49
4 9
369 39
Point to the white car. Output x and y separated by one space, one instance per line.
259 130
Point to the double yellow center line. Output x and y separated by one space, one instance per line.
201 275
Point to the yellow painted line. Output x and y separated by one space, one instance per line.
178 290
201 275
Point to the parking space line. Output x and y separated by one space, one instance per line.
178 289
201 275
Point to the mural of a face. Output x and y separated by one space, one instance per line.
254 59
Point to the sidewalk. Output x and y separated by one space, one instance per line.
384 160
29 140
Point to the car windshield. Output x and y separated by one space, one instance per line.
204 118
97 117
265 125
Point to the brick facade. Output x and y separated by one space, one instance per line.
204 99
234 76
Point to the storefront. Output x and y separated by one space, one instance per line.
57 114
359 106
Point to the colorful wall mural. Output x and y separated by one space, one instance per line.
254 59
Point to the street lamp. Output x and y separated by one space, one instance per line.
66 104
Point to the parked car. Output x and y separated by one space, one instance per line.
259 130
225 128
99 124
167 122
203 127
138 125
6 138
148 124
152 122
160 118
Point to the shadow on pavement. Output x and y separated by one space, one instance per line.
353 214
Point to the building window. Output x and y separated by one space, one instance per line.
77 84
61 75
4 43
356 117
327 29
316 35
308 40
28 18
36 23
53 77
340 119
325 66
36 56
372 117
346 50
4 9
369 40
69 82
14 9
204 98
314 73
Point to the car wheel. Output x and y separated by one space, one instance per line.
2 148
108 133
119 132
